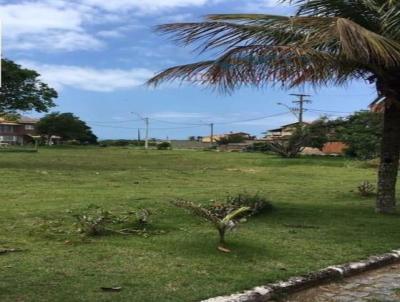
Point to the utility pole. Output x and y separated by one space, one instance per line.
146 143
212 134
146 120
138 136
301 101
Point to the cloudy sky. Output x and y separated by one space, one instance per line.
98 54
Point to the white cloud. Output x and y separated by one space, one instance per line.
110 34
34 17
119 32
143 6
68 24
55 40
46 26
177 18
91 79
265 6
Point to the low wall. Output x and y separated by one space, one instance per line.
268 292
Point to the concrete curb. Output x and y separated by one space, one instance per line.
294 284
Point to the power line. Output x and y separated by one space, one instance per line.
199 125
194 125
113 122
253 119
178 123
131 128
320 110
177 128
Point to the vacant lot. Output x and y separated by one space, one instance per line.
182 264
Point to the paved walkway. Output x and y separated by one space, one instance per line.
381 285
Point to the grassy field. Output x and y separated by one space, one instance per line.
183 264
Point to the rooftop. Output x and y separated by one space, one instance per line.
20 120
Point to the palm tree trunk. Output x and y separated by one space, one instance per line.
221 233
389 165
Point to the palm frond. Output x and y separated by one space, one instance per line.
259 65
212 35
189 72
234 214
337 35
318 46
363 12
197 210
358 43
390 21
248 18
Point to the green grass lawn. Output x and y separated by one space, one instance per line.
183 264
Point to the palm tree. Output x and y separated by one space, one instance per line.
324 43
222 221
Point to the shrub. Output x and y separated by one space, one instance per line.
164 146
120 143
222 218
366 189
259 147
231 139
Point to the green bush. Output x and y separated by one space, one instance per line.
258 147
164 146
231 139
121 143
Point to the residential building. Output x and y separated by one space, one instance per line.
283 132
218 137
332 147
17 132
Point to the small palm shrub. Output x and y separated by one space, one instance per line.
222 218
366 189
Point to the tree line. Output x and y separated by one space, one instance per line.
22 90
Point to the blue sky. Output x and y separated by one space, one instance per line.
98 54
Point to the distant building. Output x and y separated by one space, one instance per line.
218 137
330 148
283 132
334 148
244 135
19 132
